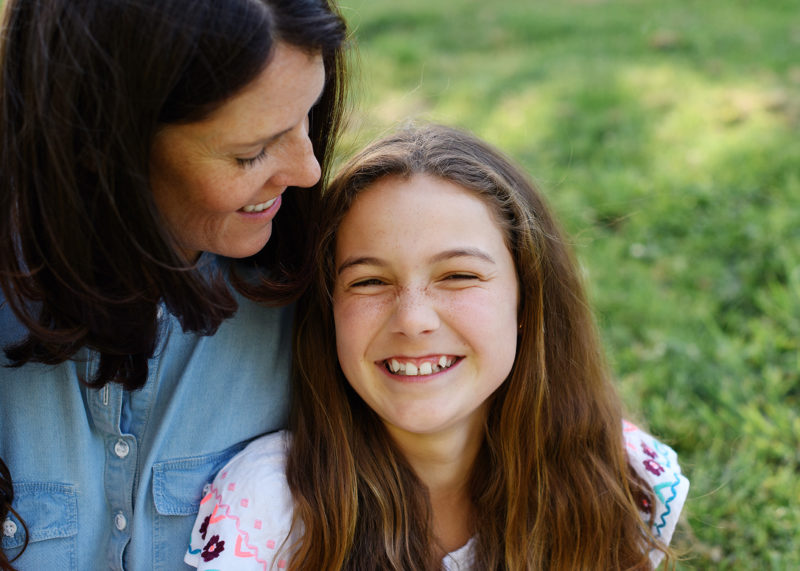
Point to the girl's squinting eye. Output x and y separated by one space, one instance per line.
249 162
367 282
462 277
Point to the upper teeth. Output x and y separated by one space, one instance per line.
425 368
259 207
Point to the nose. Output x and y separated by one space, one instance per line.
301 167
415 313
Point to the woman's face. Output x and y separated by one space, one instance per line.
218 182
425 304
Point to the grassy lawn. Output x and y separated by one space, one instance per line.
666 137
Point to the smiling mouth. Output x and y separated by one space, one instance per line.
427 367
260 206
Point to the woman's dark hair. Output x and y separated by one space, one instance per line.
85 85
84 257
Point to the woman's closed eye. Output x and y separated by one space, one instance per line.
251 161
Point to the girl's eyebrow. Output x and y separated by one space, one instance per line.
463 253
361 261
439 257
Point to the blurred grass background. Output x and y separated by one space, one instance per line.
665 135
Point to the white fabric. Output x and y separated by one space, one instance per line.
244 519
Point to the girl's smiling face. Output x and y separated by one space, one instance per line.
425 304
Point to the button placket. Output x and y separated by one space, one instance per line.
120 521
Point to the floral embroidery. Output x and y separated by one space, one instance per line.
204 527
649 451
213 548
653 467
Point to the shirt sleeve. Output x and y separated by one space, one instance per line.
245 518
657 464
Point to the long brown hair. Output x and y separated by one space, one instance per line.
84 86
551 482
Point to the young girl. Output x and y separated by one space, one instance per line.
452 407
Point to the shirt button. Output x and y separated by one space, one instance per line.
9 528
121 448
120 521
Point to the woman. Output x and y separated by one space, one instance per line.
143 145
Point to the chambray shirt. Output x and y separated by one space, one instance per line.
112 479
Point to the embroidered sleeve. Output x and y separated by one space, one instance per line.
657 464
245 516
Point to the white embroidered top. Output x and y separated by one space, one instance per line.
246 512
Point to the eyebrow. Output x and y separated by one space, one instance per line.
440 257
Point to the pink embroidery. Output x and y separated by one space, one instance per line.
244 503
223 475
270 544
282 564
209 495
257 524
231 486
214 517
238 549
225 512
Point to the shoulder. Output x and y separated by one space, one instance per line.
247 511
657 464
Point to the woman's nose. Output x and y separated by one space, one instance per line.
301 167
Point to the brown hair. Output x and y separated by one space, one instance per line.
84 86
551 482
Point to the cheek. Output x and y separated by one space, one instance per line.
359 323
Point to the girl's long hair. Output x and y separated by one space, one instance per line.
85 258
551 482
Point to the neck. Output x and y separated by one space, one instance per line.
443 462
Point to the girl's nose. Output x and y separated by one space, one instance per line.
415 313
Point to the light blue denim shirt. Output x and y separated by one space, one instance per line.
111 479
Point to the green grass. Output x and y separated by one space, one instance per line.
665 135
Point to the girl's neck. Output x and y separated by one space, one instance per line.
443 462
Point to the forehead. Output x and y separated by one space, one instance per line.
280 95
418 208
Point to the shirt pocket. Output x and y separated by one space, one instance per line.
178 487
50 510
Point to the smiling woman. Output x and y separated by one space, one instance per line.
218 190
147 148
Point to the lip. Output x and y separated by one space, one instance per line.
381 364
267 212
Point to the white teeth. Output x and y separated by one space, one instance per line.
425 368
259 207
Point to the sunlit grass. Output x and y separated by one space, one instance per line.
665 137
